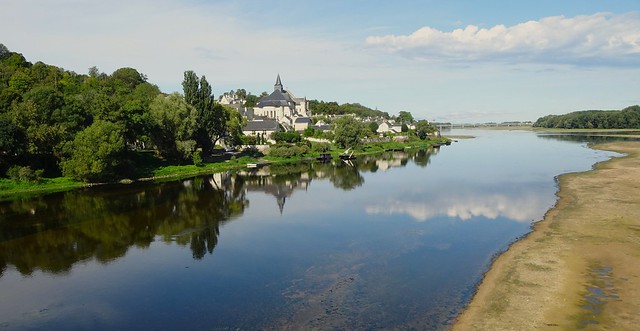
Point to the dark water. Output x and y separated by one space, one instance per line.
395 241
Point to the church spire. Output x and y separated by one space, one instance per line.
278 86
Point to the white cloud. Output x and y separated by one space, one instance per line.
590 39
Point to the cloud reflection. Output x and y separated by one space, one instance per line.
520 208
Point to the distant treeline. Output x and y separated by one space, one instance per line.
333 108
628 118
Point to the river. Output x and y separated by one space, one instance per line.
393 241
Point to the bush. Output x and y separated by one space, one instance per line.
288 150
320 147
197 158
25 174
286 136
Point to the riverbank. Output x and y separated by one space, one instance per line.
12 189
579 268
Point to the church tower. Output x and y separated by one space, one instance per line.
278 86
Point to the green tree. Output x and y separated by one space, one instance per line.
234 125
373 126
347 132
95 153
423 129
251 100
405 117
174 125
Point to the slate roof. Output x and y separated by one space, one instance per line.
263 125
303 120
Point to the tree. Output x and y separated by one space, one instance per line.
174 125
251 100
95 153
373 126
405 117
347 131
234 125
423 129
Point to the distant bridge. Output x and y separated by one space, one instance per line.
449 126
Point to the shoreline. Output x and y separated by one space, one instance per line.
578 268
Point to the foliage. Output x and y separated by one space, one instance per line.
320 147
25 174
628 118
333 108
347 132
373 126
286 137
95 153
233 128
251 100
405 117
288 150
43 108
175 124
423 129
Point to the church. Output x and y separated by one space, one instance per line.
281 105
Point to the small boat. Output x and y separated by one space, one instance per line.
347 155
324 157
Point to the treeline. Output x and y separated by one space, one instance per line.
56 122
333 108
628 118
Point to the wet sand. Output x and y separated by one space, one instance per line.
580 267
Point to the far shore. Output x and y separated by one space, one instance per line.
580 267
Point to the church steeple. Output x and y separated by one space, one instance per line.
278 86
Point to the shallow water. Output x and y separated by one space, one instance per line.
398 240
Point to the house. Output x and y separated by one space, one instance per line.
385 127
281 105
302 123
262 127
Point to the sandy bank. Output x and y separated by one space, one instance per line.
580 267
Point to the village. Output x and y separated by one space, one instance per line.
283 111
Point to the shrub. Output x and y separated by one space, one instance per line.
25 174
197 158
288 150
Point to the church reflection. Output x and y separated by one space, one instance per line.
54 232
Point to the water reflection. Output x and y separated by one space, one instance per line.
521 207
52 234
55 232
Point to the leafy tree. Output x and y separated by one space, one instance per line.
174 125
347 131
95 153
251 100
405 117
373 126
423 129
234 125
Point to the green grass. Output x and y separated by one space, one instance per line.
11 189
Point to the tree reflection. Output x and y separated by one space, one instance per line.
53 233
103 224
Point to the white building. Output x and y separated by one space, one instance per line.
281 105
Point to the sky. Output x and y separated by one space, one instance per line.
461 61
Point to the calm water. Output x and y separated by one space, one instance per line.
393 241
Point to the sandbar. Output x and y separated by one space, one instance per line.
580 266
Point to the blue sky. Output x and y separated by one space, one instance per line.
459 61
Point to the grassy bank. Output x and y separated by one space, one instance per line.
579 268
150 168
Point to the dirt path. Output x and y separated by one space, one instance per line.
580 267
